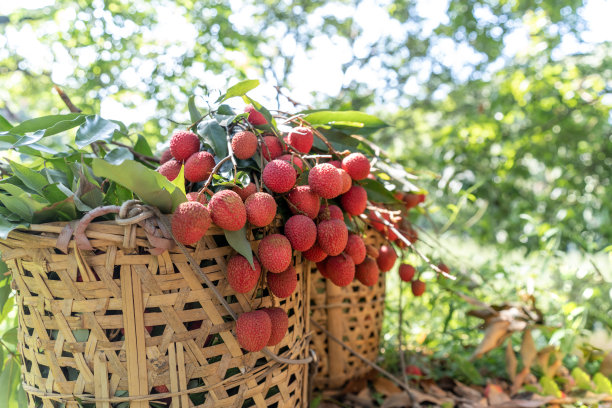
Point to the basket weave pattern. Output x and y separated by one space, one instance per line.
117 322
353 314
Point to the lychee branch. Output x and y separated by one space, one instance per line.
211 176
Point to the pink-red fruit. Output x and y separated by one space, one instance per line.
183 144
418 287
292 159
280 324
347 182
255 117
355 248
253 330
315 254
332 236
301 139
386 258
331 212
356 165
193 196
325 180
227 210
198 166
260 209
240 276
190 222
355 200
303 201
170 169
279 176
271 148
282 285
340 269
406 272
367 272
301 232
244 144
245 192
274 253
166 156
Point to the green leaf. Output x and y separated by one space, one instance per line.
9 379
238 241
179 181
377 192
215 136
20 202
142 146
117 194
194 114
10 336
5 292
94 129
4 124
583 381
549 387
150 186
7 226
29 177
240 89
355 121
81 335
49 122
61 211
602 384
118 155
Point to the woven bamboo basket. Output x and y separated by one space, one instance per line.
353 314
112 324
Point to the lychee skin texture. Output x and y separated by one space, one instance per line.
315 253
331 212
325 180
274 253
355 248
336 163
227 210
280 324
193 196
411 200
322 269
190 222
282 285
296 160
304 201
340 269
279 176
183 144
240 276
255 117
347 181
166 156
386 258
376 222
301 139
260 208
253 330
245 192
332 236
301 232
198 166
244 144
418 287
356 165
355 200
367 272
406 272
443 267
170 169
272 148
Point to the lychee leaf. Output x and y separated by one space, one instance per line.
194 114
142 146
238 241
179 181
95 129
52 124
215 136
355 121
4 124
239 89
377 191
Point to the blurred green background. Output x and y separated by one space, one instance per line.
501 107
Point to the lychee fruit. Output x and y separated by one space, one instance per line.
280 324
347 182
372 251
331 212
166 156
355 200
190 222
367 272
406 272
386 258
227 210
332 236
271 148
336 163
301 232
376 222
282 285
244 144
170 169
260 209
355 248
245 192
413 370
315 253
321 268
279 176
303 201
371 176
301 139
411 200
255 117
325 180
340 269
193 196
198 166
418 287
253 330
292 159
183 144
240 276
274 253
356 165
442 266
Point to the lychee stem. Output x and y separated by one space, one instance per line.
210 177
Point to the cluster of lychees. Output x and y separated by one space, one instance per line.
316 227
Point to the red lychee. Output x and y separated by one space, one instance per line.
386 258
280 324
292 159
279 176
198 166
367 272
332 236
301 139
183 144
315 253
442 266
190 222
170 169
193 196
303 201
240 276
355 248
245 192
418 287
282 285
301 232
271 148
227 210
244 144
260 209
325 180
356 165
411 200
321 268
255 117
406 272
331 212
340 269
166 156
413 370
336 163
274 253
355 200
253 330
347 182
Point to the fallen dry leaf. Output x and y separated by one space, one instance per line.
386 387
401 400
495 394
520 404
467 392
365 394
606 365
511 362
495 334
430 387
528 349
